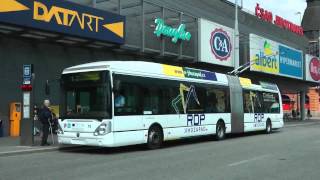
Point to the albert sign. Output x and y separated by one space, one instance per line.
64 17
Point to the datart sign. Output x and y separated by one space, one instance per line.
64 17
174 33
274 58
279 21
312 68
215 43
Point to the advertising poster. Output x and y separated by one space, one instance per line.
274 58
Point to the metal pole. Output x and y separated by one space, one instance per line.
236 38
319 43
94 3
142 27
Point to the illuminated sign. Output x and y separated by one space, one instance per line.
174 33
64 17
279 21
274 58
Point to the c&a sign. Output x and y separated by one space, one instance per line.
215 43
64 17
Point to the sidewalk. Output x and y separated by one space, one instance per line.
309 121
11 146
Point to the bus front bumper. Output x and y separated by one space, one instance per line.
86 139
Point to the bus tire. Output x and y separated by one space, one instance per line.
220 131
268 127
155 137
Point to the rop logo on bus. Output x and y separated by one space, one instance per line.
220 44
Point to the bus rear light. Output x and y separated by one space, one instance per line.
103 129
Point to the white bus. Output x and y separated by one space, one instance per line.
119 103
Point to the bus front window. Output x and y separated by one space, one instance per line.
87 95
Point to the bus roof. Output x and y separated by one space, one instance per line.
152 69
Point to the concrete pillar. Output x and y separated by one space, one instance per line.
302 103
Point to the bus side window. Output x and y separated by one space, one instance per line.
127 96
247 102
257 102
271 102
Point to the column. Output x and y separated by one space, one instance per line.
302 103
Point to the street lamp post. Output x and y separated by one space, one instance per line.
236 38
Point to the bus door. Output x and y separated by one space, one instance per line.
248 110
236 104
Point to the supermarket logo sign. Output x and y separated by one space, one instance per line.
266 60
220 44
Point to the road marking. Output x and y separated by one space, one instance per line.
248 160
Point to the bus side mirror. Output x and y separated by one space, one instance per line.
47 88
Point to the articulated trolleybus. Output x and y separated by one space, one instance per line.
119 103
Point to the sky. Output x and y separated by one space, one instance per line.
284 8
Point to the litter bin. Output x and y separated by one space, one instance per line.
1 129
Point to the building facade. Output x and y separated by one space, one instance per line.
193 33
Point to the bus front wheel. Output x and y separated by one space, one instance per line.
220 131
155 137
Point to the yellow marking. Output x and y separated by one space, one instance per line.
11 6
173 71
116 28
245 82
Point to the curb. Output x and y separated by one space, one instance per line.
301 124
38 150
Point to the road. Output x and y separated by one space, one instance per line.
292 153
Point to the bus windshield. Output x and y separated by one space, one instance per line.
86 95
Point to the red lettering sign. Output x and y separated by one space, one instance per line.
314 68
279 21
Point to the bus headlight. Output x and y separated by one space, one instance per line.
103 129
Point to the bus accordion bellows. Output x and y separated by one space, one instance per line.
119 103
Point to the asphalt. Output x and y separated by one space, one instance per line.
291 153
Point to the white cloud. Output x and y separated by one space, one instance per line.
284 8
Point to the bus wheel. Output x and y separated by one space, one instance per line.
155 137
220 131
268 127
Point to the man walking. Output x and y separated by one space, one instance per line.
45 119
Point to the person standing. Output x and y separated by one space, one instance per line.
45 119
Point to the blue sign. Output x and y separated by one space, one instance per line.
64 17
220 44
27 73
290 62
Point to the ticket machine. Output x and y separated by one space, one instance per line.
15 119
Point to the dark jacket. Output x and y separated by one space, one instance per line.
45 115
